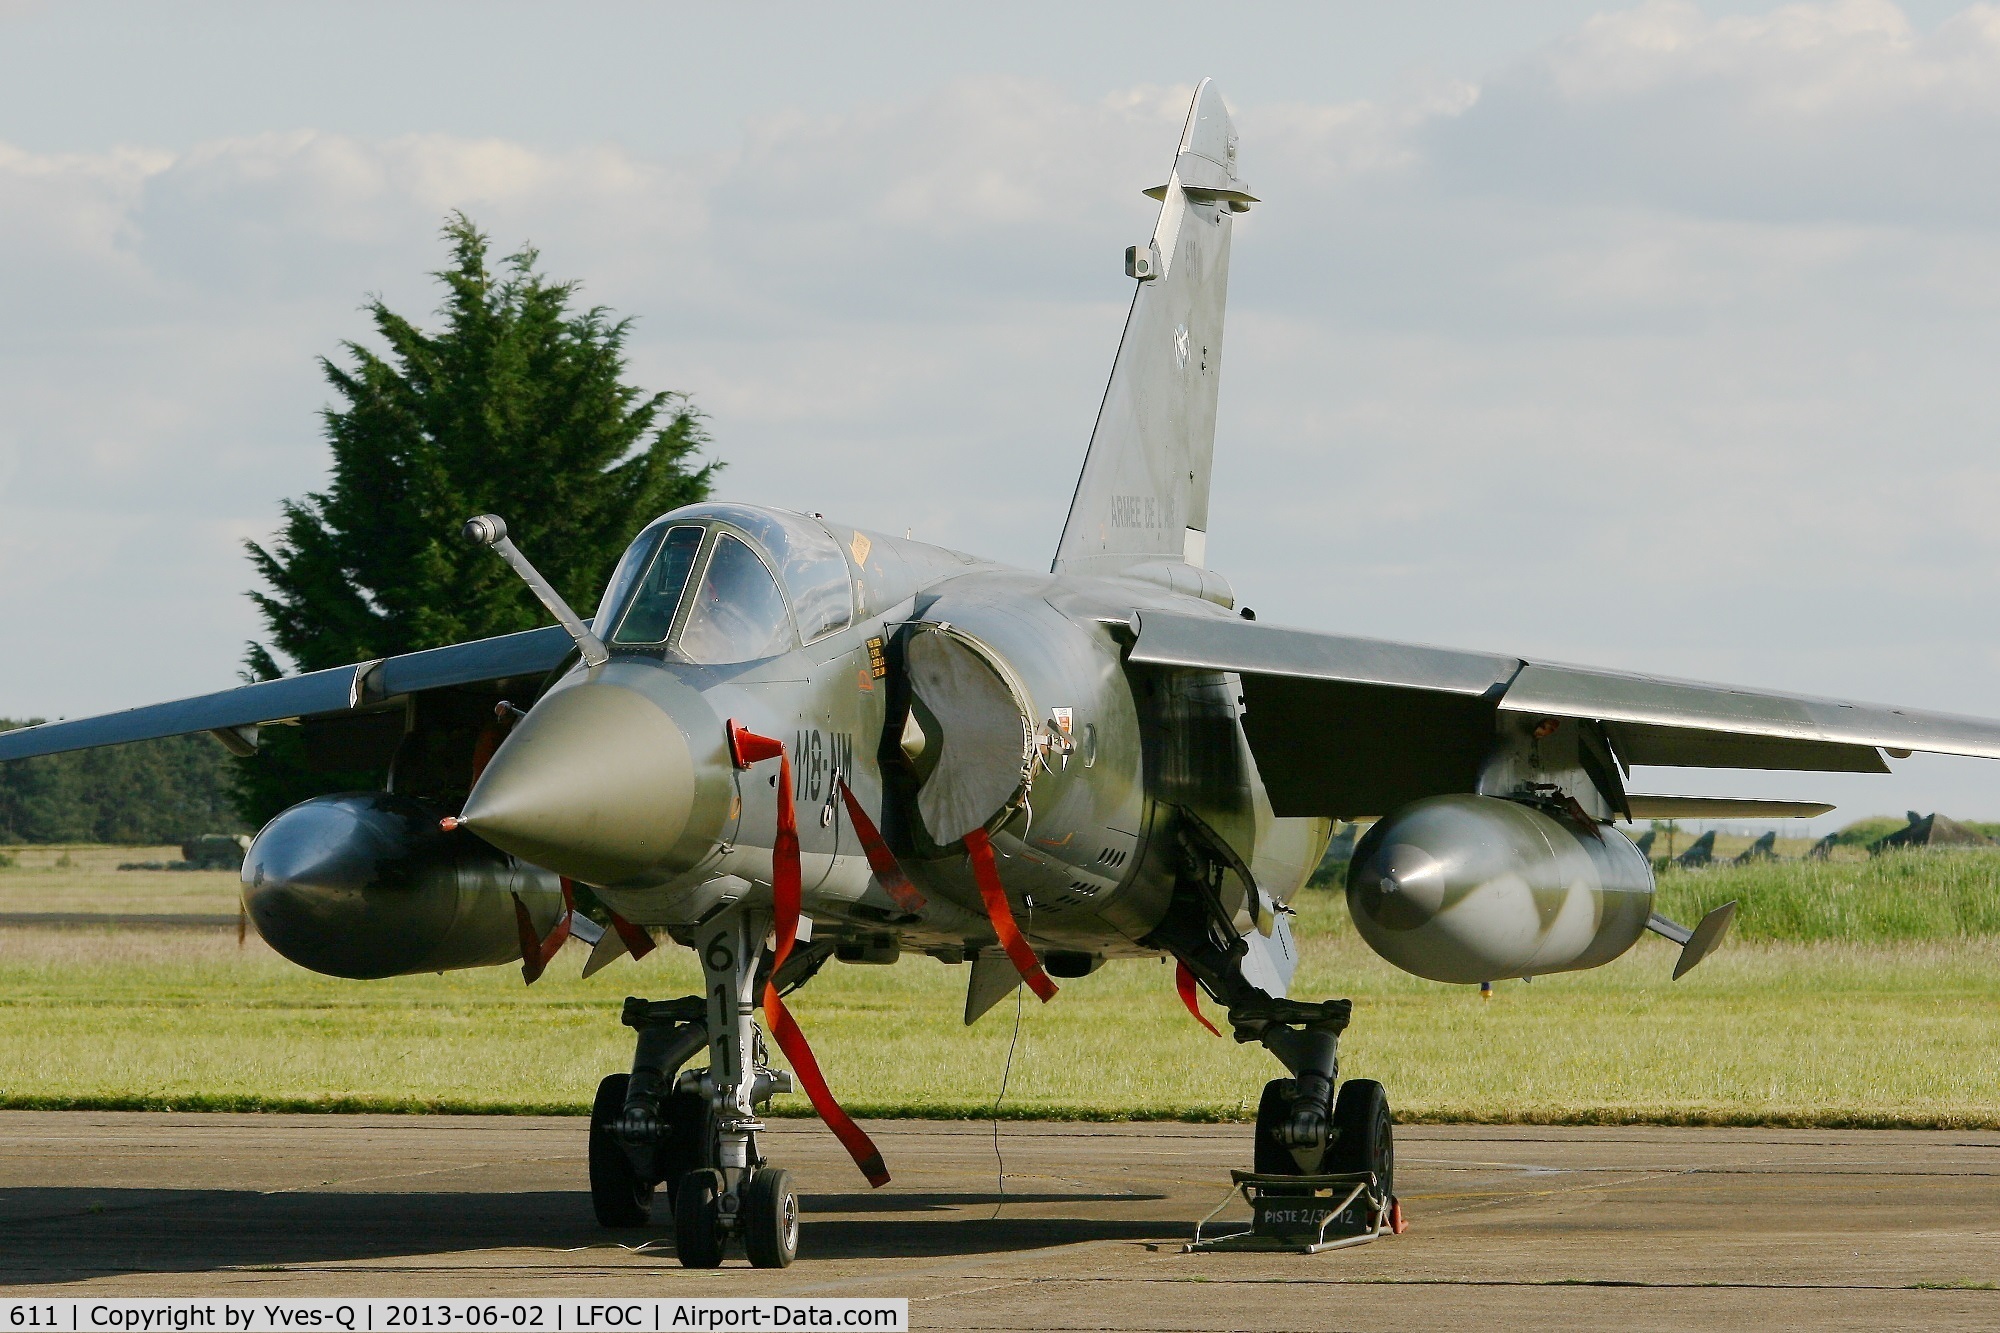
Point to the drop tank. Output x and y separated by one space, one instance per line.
1474 888
363 885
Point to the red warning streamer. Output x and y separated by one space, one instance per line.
747 748
637 942
1184 983
537 953
888 872
980 849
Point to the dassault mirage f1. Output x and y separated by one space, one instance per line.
780 740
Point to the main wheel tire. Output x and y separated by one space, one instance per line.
770 1218
687 1139
619 1195
698 1220
1270 1155
1363 1134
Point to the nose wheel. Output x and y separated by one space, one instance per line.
770 1219
766 1216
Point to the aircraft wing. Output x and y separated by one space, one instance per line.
313 694
1401 721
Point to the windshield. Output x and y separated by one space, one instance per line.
805 556
651 612
739 614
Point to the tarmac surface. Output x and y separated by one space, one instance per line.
1510 1226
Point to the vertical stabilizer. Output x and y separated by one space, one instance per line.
1143 495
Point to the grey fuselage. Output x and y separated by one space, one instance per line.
1091 844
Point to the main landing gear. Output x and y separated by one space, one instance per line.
1304 1130
1324 1165
695 1132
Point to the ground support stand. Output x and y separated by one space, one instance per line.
1303 1214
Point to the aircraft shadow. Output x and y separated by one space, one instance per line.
61 1234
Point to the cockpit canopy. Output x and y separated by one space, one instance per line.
717 584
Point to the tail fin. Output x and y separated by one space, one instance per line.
1143 494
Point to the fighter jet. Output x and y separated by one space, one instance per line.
1764 849
780 740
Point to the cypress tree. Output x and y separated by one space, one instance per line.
518 406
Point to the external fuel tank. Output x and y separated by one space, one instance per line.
1474 888
364 885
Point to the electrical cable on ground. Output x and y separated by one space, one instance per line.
1006 1071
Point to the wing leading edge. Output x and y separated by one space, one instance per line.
1409 720
313 694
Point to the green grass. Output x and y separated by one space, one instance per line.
86 878
1864 831
1897 1032
1929 894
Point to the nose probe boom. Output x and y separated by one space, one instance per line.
491 530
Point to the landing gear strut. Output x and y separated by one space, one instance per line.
1325 1166
724 1199
696 1132
1296 1129
1303 1128
644 1130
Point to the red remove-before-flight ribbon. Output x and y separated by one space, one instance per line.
1184 983
637 942
747 748
888 871
537 953
980 849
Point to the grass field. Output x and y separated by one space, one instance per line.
1897 1024
87 879
1938 894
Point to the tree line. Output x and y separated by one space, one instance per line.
153 792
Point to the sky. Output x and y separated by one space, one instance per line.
1652 336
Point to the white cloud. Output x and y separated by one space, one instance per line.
1827 111
1667 345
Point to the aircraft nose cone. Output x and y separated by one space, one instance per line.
595 783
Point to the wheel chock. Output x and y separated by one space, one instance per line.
1303 1214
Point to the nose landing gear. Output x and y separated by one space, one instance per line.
696 1132
738 1195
